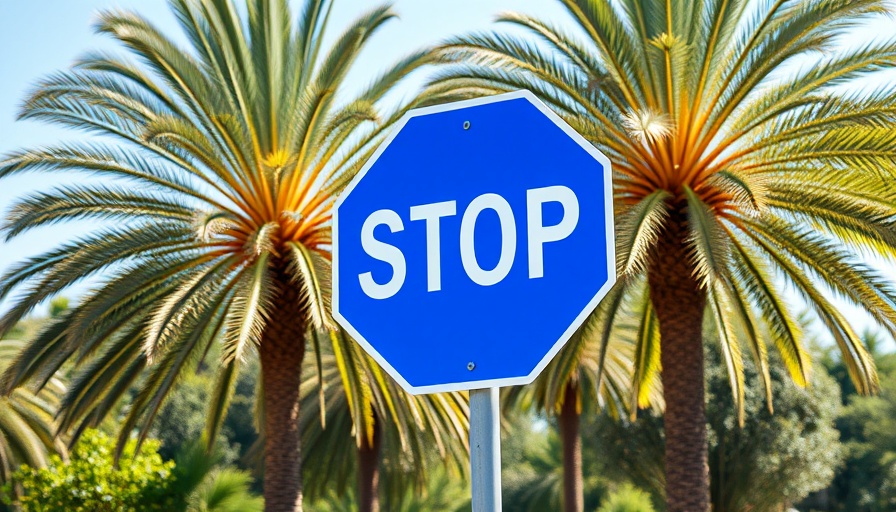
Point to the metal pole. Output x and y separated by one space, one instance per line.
485 449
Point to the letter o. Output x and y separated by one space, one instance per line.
500 205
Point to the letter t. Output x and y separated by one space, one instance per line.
431 213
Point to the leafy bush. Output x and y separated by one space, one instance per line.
627 498
90 482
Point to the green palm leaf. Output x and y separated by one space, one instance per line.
27 427
211 186
734 171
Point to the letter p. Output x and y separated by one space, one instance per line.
538 233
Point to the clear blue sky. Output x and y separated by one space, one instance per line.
39 37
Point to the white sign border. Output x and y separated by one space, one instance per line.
579 320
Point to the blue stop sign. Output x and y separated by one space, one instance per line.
473 243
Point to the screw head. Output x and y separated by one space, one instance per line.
471 365
467 127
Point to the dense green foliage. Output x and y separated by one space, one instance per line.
183 417
204 484
772 460
867 425
90 482
627 498
227 490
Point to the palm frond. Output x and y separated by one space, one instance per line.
706 240
638 230
27 419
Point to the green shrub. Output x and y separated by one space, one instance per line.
90 482
627 498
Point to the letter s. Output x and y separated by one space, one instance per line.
383 252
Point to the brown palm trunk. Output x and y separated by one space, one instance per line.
573 494
369 472
679 303
281 352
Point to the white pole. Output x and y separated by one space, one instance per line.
485 449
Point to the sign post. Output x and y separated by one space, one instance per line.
468 249
485 449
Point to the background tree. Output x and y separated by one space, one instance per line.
771 461
734 172
867 479
533 466
775 459
633 451
183 417
348 397
221 160
596 369
182 420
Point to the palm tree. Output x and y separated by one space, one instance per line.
202 485
221 160
443 492
348 396
743 161
26 420
598 367
226 490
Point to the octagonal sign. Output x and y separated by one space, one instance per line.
473 243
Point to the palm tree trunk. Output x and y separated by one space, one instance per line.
281 352
369 471
679 302
570 436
